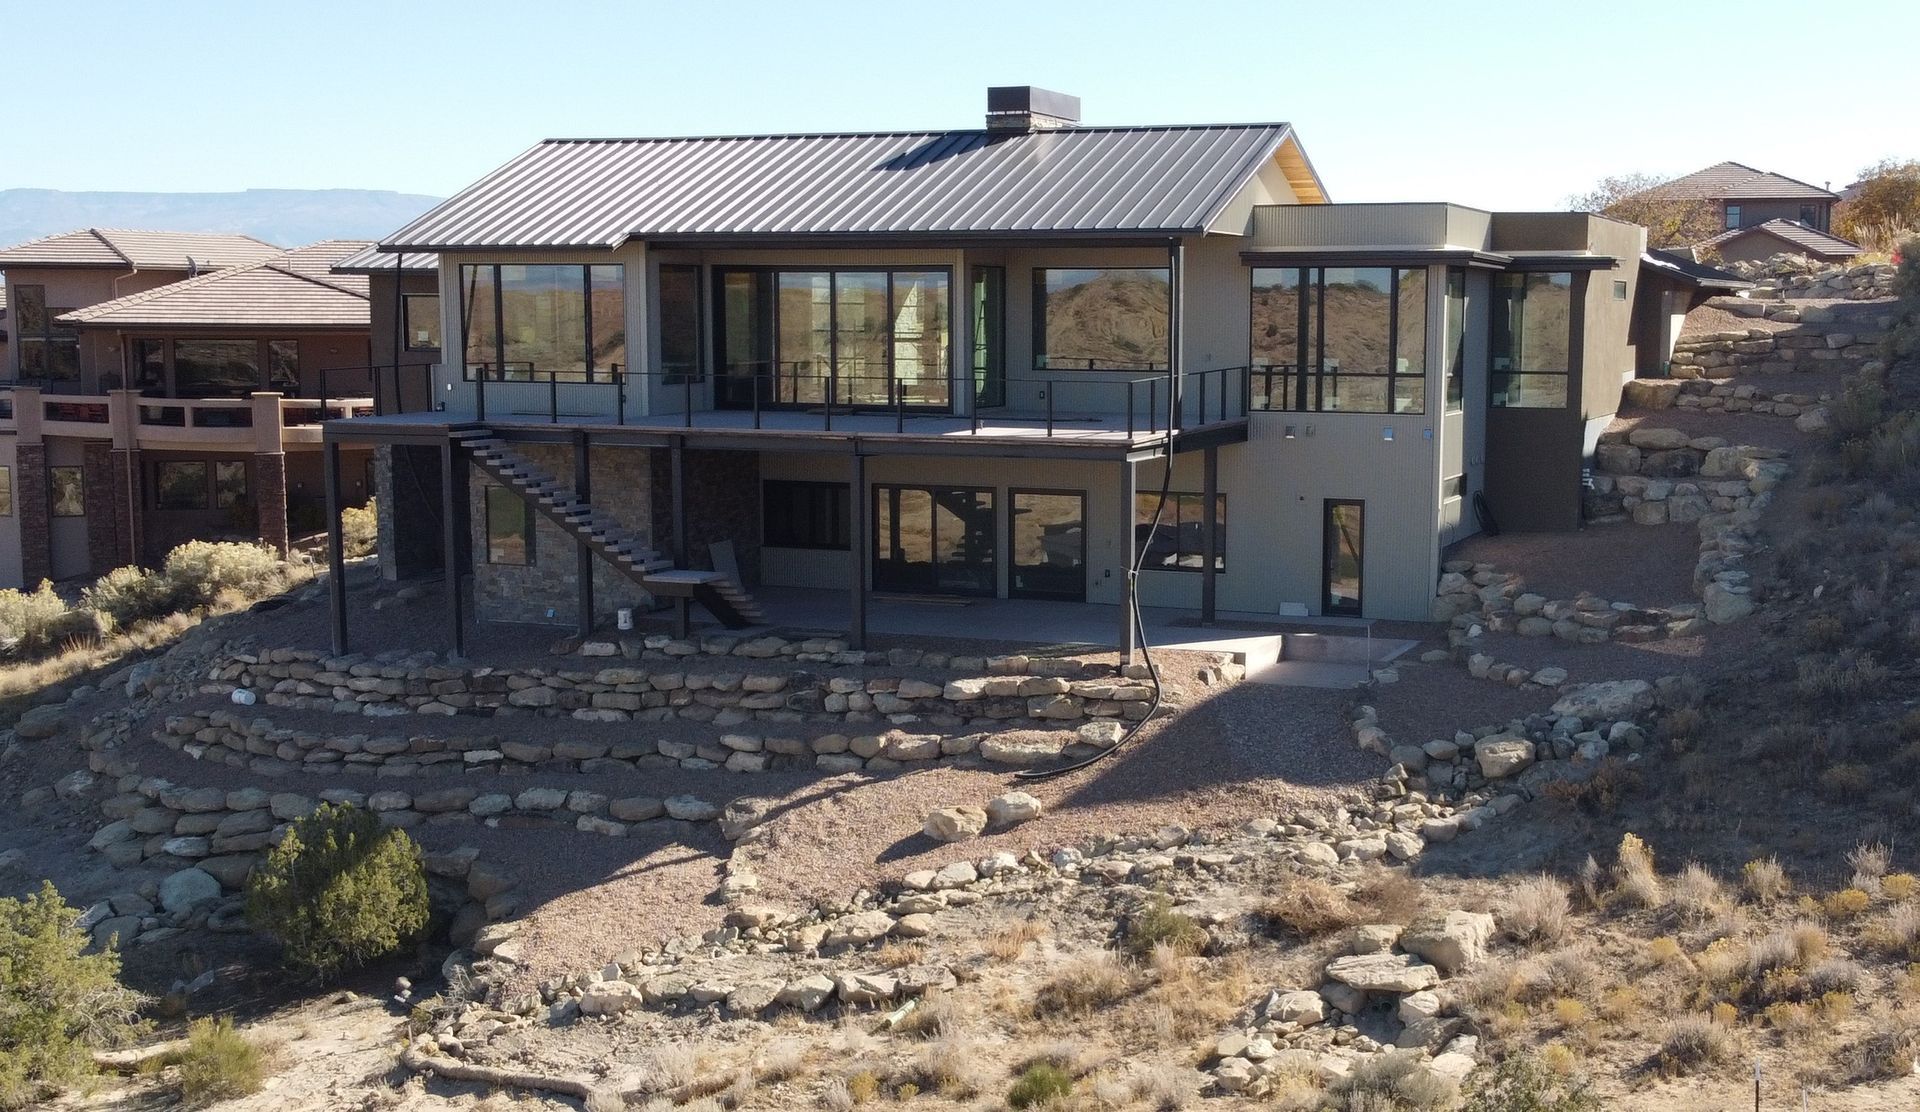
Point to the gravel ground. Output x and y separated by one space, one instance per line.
1706 319
1648 564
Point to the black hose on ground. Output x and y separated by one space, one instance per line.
1140 634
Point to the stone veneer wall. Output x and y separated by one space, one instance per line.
1656 475
1793 277
33 502
1829 337
623 485
105 549
723 504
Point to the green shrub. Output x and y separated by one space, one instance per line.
31 622
360 529
1519 1084
57 1002
127 595
1041 1083
1159 924
219 1063
339 890
200 571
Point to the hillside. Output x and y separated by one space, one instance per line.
284 216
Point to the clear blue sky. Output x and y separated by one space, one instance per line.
1512 105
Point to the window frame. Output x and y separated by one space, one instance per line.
1453 344
1177 501
224 500
1306 391
528 558
594 374
6 490
50 338
407 342
837 504
1499 324
1733 216
1039 294
53 489
157 484
698 372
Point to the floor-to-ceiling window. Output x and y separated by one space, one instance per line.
850 337
1047 535
1532 341
989 335
934 540
1106 319
538 322
1340 339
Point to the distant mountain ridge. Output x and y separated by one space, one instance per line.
288 217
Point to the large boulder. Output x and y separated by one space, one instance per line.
1451 940
1611 699
955 824
1395 973
1658 439
1726 602
1502 755
609 998
188 889
1013 808
42 722
1651 393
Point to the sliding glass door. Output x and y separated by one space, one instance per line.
934 540
860 338
1047 531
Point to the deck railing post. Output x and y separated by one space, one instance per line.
1050 389
686 401
1203 399
619 394
1153 405
553 396
758 377
1130 399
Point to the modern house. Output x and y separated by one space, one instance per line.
966 362
187 406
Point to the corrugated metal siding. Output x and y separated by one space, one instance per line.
148 250
574 193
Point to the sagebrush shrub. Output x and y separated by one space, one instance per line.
1693 1042
57 1002
1041 1084
1537 910
360 529
200 571
1158 924
32 622
339 890
219 1063
129 594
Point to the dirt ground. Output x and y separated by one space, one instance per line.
1647 564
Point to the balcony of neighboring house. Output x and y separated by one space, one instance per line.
774 355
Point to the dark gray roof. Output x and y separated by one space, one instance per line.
1810 240
601 192
372 260
1736 181
1699 275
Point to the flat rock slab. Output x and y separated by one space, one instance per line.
1396 973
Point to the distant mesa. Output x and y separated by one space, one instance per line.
284 216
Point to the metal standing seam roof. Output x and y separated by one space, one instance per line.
602 192
1679 267
293 289
1795 233
1736 181
371 260
121 249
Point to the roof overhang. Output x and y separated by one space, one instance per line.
1375 256
1536 261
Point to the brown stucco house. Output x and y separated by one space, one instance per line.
1760 242
187 407
1747 197
778 374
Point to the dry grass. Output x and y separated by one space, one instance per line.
1870 861
1698 896
1537 911
1084 984
1009 942
1157 925
1635 880
1306 908
1765 881
899 955
1693 1043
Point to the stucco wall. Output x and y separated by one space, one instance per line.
76 288
10 522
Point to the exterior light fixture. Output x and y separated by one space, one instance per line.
1386 433
1289 433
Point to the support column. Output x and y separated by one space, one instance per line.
30 489
677 499
126 506
450 519
269 471
336 547
103 538
1209 530
583 555
857 550
1129 557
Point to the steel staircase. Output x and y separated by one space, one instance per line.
613 542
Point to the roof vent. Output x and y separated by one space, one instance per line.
1029 108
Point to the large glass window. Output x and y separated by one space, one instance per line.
1532 340
855 337
420 314
67 491
150 367
1456 350
1179 542
6 492
1047 544
1113 319
1340 339
539 322
215 368
939 540
804 514
989 335
680 324
283 366
180 485
49 350
509 528
229 483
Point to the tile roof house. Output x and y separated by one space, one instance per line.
187 407
861 367
1759 242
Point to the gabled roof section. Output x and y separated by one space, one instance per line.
372 260
292 289
1068 181
131 250
1796 234
1736 181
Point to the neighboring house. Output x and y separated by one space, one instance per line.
957 363
1672 285
1760 242
3 326
1746 197
188 409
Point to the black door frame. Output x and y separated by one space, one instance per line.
933 491
1013 590
1326 563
